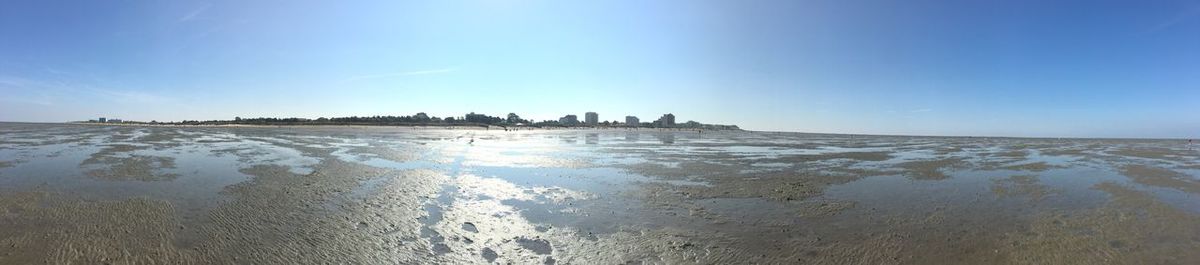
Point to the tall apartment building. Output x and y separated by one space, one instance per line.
591 118
667 120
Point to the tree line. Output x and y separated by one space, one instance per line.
422 119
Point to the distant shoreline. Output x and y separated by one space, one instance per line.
464 127
424 120
415 126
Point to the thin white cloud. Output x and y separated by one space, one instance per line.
920 110
12 81
399 74
50 90
39 100
194 13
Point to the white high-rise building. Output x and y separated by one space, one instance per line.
591 118
667 120
632 121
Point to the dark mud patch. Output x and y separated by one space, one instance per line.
1156 153
111 151
1033 167
489 254
470 227
164 137
1014 154
277 217
661 170
685 169
116 162
1134 228
1161 177
931 169
857 156
823 208
283 217
1065 152
41 229
781 186
537 245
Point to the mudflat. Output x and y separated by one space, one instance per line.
72 194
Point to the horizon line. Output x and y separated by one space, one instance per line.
753 131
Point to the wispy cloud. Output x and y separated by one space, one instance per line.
920 110
16 90
12 81
28 100
192 15
399 74
50 90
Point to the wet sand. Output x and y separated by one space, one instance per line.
85 194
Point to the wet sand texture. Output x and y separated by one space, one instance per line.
259 195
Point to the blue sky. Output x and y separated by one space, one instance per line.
1009 68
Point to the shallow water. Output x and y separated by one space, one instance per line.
376 195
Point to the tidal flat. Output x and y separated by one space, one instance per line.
86 194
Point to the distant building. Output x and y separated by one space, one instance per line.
569 120
591 118
102 119
114 120
667 120
632 121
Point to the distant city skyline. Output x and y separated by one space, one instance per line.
1071 68
506 122
590 117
